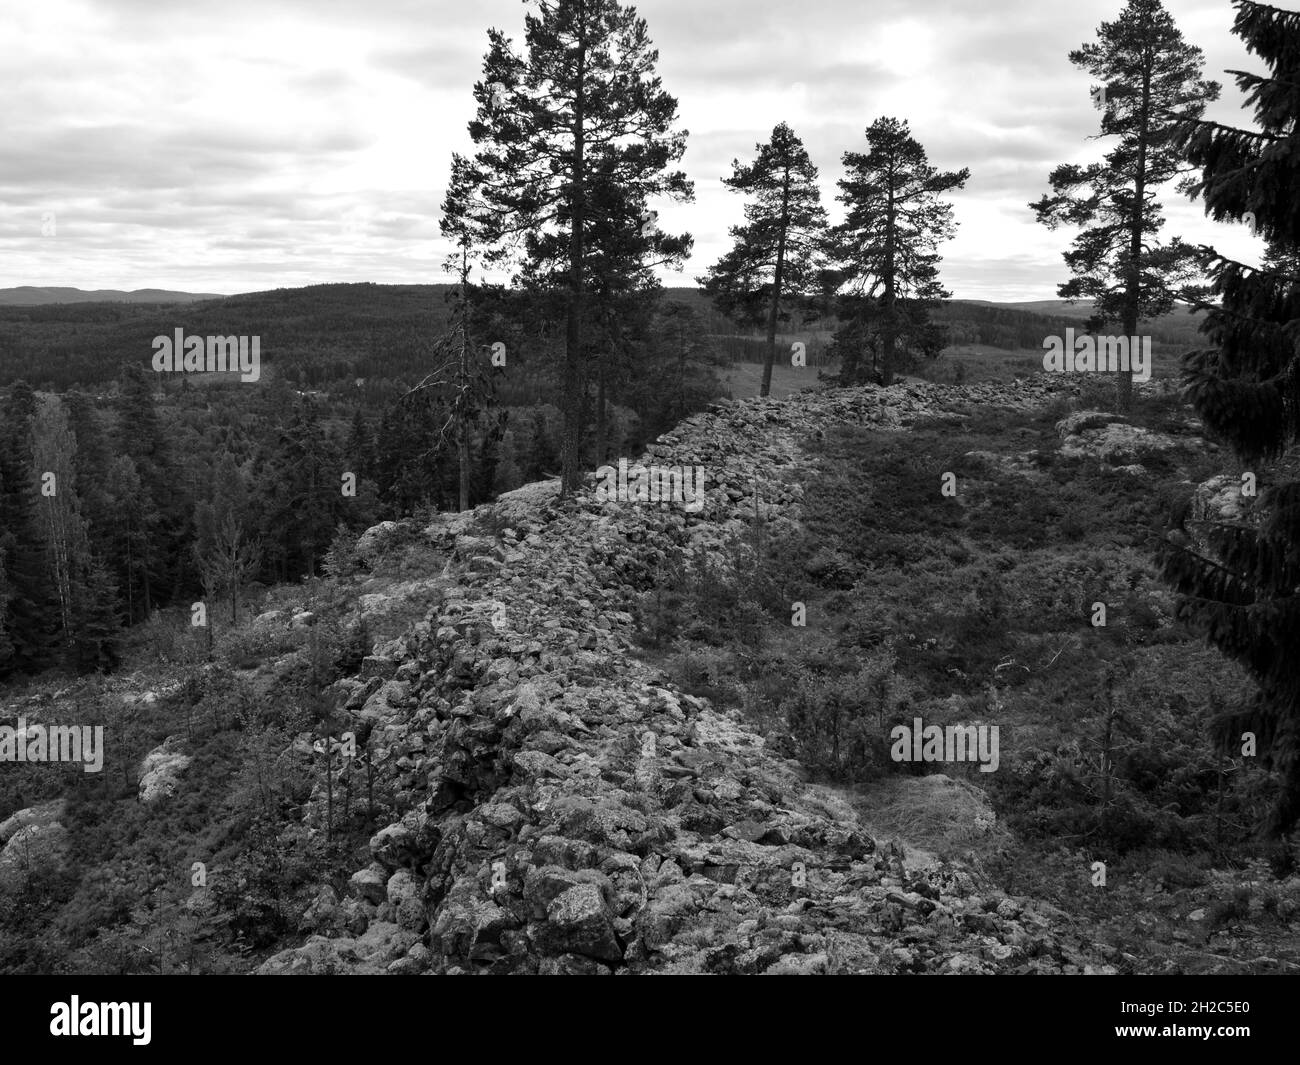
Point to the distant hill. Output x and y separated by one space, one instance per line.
32 296
1059 308
325 336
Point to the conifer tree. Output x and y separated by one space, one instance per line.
170 509
462 386
6 641
506 476
1150 77
886 266
91 466
63 529
583 106
543 455
227 554
301 493
30 618
1238 579
132 522
97 623
359 449
778 254
85 593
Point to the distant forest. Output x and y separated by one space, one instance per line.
172 488
325 337
123 490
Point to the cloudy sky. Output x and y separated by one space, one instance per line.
256 144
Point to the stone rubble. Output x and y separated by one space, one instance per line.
568 811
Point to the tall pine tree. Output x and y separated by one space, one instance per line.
583 106
1150 77
886 265
778 254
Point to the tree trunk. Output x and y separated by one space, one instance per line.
776 287
601 426
1133 286
148 588
572 435
887 298
681 373
462 449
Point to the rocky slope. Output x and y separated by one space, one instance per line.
571 812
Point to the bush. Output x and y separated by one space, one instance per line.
832 725
697 597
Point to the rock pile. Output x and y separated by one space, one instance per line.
570 811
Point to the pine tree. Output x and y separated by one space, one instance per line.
97 623
405 480
359 449
543 455
462 385
1150 78
678 373
885 260
1281 260
7 649
623 292
228 556
130 536
585 106
506 477
140 437
301 494
91 466
63 529
84 590
30 619
1238 580
778 255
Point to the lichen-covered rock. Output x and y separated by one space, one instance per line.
404 893
320 956
41 816
1109 438
31 840
372 542
323 914
578 922
370 884
161 770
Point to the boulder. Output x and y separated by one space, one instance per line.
578 922
161 770
34 840
372 543
370 884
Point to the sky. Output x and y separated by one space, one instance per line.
256 144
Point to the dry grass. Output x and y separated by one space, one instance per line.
947 817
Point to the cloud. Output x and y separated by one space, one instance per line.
206 146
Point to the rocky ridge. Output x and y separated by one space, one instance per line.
570 811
